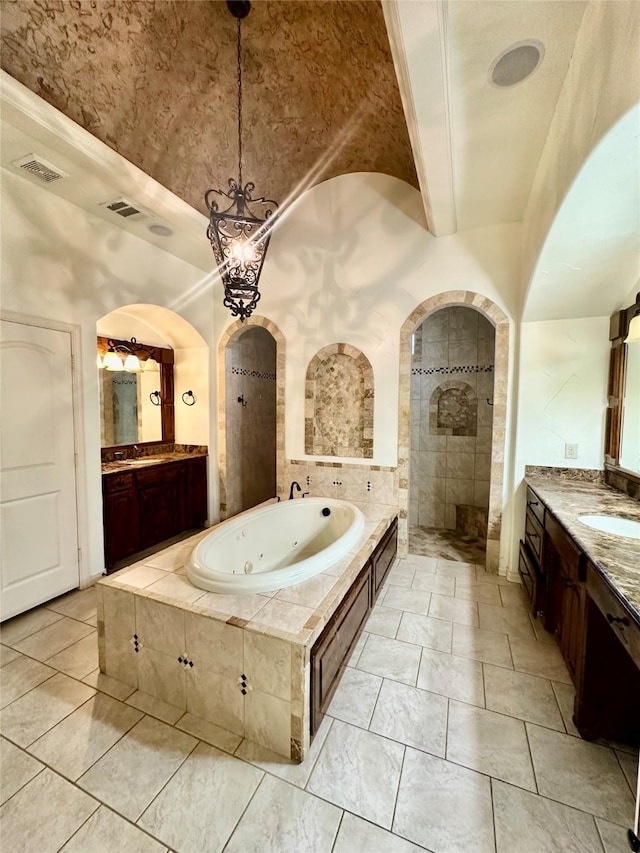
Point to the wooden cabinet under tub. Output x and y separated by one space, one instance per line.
148 505
331 650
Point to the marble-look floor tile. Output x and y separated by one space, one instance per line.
384 621
83 737
580 774
18 768
474 591
107 831
79 604
54 638
20 676
355 697
442 584
359 836
506 620
485 646
411 716
39 710
155 707
284 819
60 809
456 569
401 574
390 659
483 576
422 564
629 763
541 659
614 837
425 631
411 600
209 732
358 771
444 807
527 823
514 596
284 768
110 686
565 696
542 635
79 659
7 655
490 743
204 799
520 695
452 676
16 629
352 660
454 610
136 769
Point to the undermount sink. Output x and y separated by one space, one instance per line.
612 524
152 460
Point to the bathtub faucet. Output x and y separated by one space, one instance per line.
297 486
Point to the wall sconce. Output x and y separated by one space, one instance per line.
191 398
122 356
155 398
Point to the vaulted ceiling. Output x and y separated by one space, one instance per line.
156 81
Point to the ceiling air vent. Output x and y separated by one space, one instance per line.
125 209
39 168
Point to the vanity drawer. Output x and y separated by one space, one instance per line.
535 505
528 574
623 625
118 482
533 535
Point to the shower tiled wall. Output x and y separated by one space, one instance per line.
250 367
453 348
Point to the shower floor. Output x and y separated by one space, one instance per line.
449 544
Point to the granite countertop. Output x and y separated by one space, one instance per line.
296 614
141 462
617 557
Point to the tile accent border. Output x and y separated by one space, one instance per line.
229 333
502 326
354 441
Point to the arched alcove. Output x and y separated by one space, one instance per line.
228 404
339 403
500 322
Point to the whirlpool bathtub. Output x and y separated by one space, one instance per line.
275 546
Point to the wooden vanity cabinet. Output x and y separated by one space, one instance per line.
145 506
531 557
565 568
331 650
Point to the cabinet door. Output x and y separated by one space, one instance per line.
571 627
196 497
161 493
383 557
121 525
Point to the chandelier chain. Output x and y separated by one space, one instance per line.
240 102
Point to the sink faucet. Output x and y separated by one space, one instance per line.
297 486
137 451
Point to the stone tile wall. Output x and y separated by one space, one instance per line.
373 484
339 403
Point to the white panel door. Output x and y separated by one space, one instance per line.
38 520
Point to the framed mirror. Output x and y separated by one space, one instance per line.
136 393
622 443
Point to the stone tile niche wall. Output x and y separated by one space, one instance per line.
339 403
250 374
451 419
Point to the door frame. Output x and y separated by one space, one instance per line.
74 331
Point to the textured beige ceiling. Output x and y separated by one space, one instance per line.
156 81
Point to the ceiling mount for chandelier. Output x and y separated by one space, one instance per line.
239 224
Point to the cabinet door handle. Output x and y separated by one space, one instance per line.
623 620
533 503
533 534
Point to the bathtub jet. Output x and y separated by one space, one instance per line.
283 544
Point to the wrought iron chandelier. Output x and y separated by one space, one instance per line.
239 225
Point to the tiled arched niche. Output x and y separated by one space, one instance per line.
339 403
501 323
228 335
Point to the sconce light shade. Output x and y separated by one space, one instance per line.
112 361
633 336
132 364
99 362
151 365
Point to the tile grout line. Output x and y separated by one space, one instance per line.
395 799
335 840
45 767
244 810
493 813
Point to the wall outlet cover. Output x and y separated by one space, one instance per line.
571 451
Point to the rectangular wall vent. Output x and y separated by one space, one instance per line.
125 209
39 168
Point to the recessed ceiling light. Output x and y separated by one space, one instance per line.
160 230
516 63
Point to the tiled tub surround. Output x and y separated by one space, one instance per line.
339 403
239 662
458 713
617 557
451 416
370 484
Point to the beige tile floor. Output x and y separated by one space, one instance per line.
451 731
